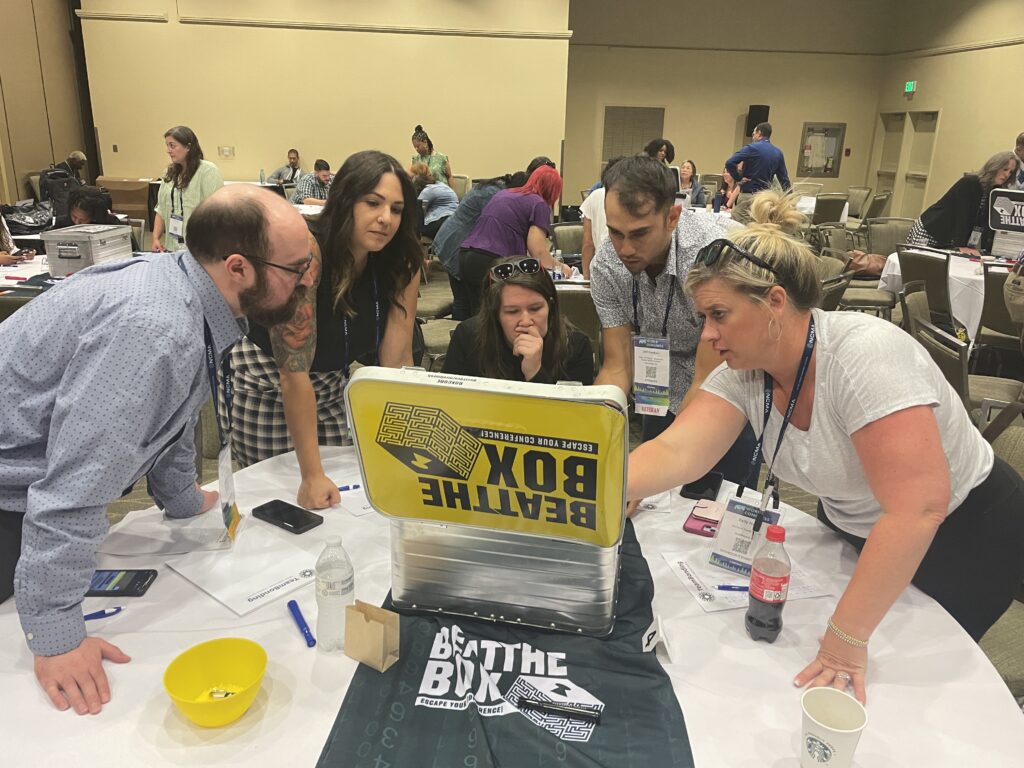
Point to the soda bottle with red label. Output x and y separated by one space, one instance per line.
769 586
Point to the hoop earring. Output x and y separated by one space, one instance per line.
778 335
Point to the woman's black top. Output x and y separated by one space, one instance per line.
462 358
951 219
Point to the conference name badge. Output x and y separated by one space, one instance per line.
176 226
651 365
226 489
734 546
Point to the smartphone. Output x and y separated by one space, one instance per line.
705 518
124 583
704 488
287 516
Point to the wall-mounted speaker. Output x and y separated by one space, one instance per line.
756 113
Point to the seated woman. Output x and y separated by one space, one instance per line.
729 189
519 333
10 254
438 200
959 219
661 149
289 380
688 181
876 433
515 221
89 205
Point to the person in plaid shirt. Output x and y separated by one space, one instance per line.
312 189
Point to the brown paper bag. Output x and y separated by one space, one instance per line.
371 635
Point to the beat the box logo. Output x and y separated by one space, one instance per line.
494 677
427 440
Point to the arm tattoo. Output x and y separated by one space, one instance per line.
294 342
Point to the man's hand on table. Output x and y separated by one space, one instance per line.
318 492
76 678
209 500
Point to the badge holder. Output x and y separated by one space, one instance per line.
651 369
740 532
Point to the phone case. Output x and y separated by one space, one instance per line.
263 513
704 519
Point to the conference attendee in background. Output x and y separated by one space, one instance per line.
188 181
89 205
10 255
636 281
438 200
314 187
959 219
519 333
661 149
762 163
361 306
74 165
906 477
448 240
290 173
729 189
1017 182
436 161
138 326
514 222
595 229
688 181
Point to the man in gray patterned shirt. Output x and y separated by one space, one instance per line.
108 372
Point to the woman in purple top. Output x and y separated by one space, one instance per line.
515 222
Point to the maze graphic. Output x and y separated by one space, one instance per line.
427 440
561 726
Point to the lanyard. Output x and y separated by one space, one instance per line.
668 306
801 373
228 387
344 325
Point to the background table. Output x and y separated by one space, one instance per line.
934 699
966 288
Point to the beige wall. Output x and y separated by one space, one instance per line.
706 94
40 119
329 78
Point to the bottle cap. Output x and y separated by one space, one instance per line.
335 541
776 533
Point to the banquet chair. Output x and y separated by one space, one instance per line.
951 356
568 237
997 328
828 207
931 266
832 290
807 189
914 305
460 185
858 200
577 306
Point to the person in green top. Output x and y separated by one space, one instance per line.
188 181
436 161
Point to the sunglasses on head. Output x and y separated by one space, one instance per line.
505 270
712 252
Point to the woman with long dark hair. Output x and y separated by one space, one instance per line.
959 219
289 379
519 333
515 221
188 181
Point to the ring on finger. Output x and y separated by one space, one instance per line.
845 676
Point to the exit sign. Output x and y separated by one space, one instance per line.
910 86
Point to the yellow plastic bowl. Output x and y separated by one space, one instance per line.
215 682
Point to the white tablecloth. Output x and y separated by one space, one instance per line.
966 288
934 699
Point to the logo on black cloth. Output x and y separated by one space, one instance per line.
494 677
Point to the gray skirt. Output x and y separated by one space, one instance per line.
258 427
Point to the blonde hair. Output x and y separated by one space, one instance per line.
771 236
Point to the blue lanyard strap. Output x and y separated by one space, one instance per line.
226 384
344 325
801 373
668 306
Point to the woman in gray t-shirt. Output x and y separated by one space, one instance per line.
876 433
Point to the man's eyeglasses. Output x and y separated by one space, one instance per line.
505 270
712 252
300 271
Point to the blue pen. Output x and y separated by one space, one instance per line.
301 622
732 588
106 612
353 487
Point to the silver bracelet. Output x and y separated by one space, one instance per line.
849 639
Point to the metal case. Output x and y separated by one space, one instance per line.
72 249
506 500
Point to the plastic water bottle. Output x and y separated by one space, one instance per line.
263 178
335 590
769 586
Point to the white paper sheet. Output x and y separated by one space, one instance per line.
355 502
700 580
260 568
